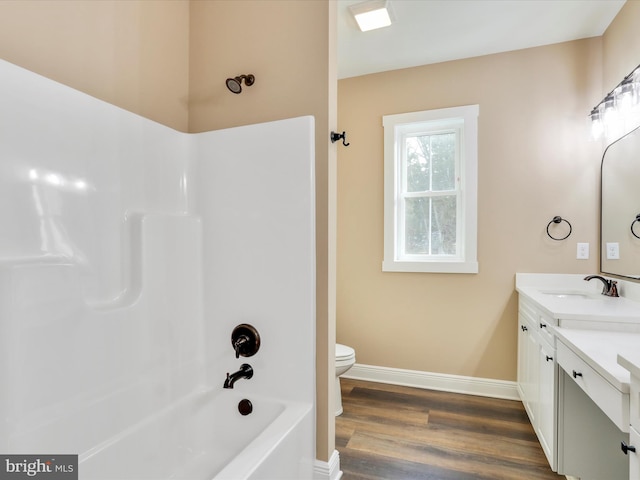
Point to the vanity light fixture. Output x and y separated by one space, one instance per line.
619 111
371 14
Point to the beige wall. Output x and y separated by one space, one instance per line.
535 162
134 54
621 46
146 56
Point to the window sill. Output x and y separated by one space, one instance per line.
430 267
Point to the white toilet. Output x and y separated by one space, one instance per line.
345 358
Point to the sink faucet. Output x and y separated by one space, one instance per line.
609 286
245 372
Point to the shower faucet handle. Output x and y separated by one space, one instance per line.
237 345
245 340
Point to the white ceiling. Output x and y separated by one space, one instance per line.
432 31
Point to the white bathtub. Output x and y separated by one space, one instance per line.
204 437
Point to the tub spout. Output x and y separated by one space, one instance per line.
609 288
246 371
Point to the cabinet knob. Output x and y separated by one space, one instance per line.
627 448
543 325
523 328
576 374
549 358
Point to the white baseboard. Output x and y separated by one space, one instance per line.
484 387
328 470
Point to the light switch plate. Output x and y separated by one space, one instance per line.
583 251
613 251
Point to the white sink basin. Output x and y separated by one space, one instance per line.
571 295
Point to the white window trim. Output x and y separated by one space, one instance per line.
466 261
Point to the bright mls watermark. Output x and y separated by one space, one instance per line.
49 467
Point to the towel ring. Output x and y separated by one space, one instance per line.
558 219
637 219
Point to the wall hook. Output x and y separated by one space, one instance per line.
337 136
558 219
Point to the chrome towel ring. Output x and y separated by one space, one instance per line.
558 219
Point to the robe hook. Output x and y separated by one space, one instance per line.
337 136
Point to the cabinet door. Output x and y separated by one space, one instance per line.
523 333
634 461
547 407
589 442
528 367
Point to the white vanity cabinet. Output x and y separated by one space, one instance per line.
634 431
538 375
632 363
576 348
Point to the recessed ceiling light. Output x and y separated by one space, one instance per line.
371 14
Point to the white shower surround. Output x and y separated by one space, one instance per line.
128 253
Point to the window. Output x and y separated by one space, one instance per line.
430 191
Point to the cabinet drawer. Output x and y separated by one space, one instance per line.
543 323
609 399
527 312
535 314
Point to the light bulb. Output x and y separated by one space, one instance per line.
625 96
596 124
613 123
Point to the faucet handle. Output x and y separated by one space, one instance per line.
245 340
609 287
237 345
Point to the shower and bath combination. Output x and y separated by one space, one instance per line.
132 286
235 84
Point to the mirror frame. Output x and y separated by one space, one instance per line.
601 244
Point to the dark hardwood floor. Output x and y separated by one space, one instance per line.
389 432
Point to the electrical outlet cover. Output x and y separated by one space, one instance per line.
613 251
583 251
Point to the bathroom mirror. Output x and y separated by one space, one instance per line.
620 205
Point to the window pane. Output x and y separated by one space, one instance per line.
430 225
431 162
416 226
417 164
443 158
443 228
